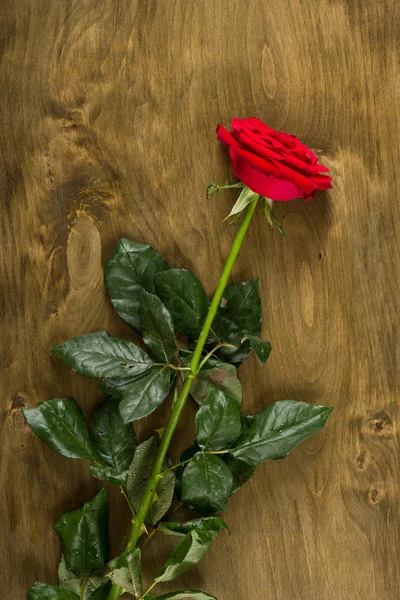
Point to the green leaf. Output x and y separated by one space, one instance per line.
185 456
134 564
99 355
246 197
85 536
108 474
95 586
138 477
131 269
143 396
184 595
115 387
120 561
186 554
67 579
44 591
239 312
241 472
93 583
122 577
247 422
235 355
181 529
113 441
221 376
260 348
127 571
206 484
185 298
279 429
157 327
101 593
60 424
217 421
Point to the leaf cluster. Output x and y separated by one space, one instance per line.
162 305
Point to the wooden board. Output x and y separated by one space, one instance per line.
108 115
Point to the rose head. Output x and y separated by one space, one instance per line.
271 163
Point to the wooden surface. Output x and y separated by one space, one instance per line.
108 115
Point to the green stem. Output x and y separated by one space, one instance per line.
230 186
177 408
149 590
129 503
177 466
82 589
209 355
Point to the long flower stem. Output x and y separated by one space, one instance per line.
137 522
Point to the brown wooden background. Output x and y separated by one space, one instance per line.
108 115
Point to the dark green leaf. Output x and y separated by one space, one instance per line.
85 536
143 396
138 477
278 429
247 422
235 355
184 595
217 421
157 327
108 474
185 298
239 312
181 529
99 355
131 269
241 472
260 348
44 591
206 484
113 441
186 455
115 387
186 554
222 376
101 593
120 561
60 424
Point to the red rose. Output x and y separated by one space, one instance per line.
272 163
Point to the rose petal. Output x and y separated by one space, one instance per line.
254 123
245 140
288 159
281 190
237 125
261 183
266 166
303 182
274 164
224 136
278 169
322 181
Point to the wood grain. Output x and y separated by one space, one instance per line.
108 113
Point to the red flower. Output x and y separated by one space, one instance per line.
272 163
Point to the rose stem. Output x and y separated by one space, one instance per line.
177 408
